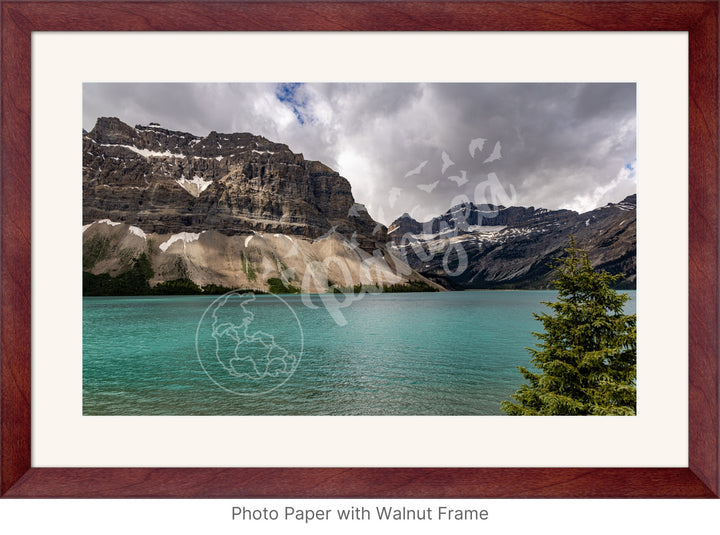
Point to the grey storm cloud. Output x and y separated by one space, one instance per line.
544 145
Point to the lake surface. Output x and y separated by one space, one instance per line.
449 353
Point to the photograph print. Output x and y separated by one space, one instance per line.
375 249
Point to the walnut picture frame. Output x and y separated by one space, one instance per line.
18 478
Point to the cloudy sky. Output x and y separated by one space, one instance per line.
418 148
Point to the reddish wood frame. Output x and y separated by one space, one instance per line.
19 479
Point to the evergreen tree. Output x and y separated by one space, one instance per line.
586 355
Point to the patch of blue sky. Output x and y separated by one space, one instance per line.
631 168
293 96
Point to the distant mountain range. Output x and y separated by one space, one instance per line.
237 210
512 247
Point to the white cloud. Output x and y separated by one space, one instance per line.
351 163
621 186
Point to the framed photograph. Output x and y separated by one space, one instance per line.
217 173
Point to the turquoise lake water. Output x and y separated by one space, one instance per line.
449 353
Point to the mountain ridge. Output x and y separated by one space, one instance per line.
224 209
230 210
169 181
513 247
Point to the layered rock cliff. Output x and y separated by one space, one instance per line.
168 182
233 210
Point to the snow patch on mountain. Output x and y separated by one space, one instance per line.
147 153
185 237
138 232
195 186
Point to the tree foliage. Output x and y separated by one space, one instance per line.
406 287
586 355
183 286
136 281
132 282
277 286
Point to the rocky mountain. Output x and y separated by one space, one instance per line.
490 246
239 211
234 210
169 182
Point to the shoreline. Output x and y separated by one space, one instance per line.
261 293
